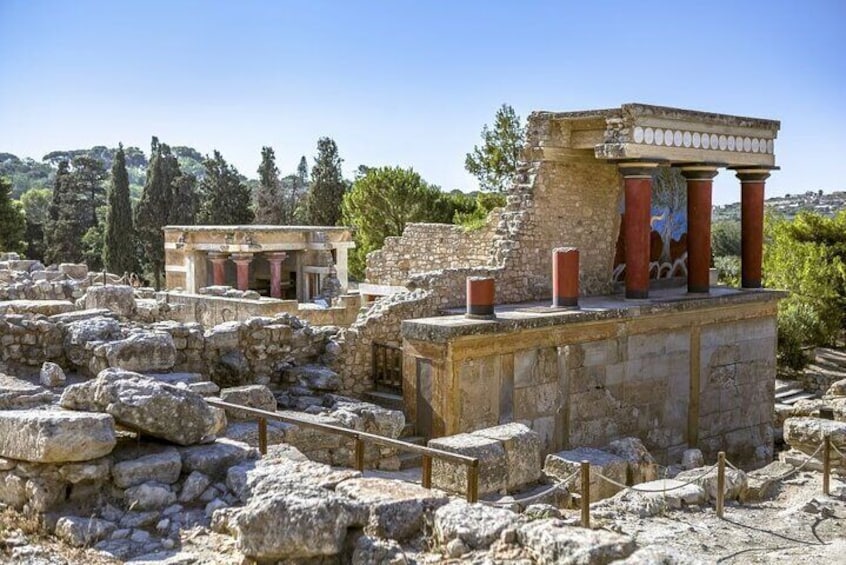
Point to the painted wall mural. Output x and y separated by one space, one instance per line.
668 239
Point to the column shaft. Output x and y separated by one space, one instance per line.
637 225
275 260
699 191
242 263
218 269
751 225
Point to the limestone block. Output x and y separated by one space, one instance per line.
806 435
554 541
253 396
314 377
163 467
80 332
397 508
522 453
207 388
155 408
141 352
42 307
561 465
651 498
12 490
247 432
96 471
79 531
837 388
18 394
642 466
149 496
119 299
763 483
214 459
55 436
735 486
193 487
476 525
373 550
51 375
692 458
452 477
296 523
75 270
177 377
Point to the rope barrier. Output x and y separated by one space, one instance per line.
556 486
665 490
802 466
837 451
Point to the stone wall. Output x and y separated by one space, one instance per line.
427 247
674 377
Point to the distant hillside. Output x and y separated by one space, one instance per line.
27 173
827 204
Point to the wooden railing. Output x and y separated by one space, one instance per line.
387 367
427 453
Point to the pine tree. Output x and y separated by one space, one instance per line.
327 185
12 220
153 209
119 242
88 175
269 199
495 162
225 198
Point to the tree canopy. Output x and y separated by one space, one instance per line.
12 220
327 185
119 237
225 198
269 199
495 161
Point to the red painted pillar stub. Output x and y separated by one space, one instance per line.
275 260
752 180
637 224
242 263
480 297
699 191
218 268
565 277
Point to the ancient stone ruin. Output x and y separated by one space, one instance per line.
578 329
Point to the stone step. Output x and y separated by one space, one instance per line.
787 393
794 398
781 386
387 400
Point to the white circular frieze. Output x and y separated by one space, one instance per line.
755 145
696 139
729 142
688 139
769 146
649 136
714 141
659 136
738 143
747 144
723 142
706 141
677 138
638 134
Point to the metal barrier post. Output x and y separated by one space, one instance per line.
359 453
262 435
721 482
826 463
585 494
427 472
473 481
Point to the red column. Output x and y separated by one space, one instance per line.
242 262
218 268
275 260
699 189
751 223
565 277
480 297
637 225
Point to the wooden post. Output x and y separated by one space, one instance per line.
826 463
721 482
473 481
427 471
262 435
359 453
585 494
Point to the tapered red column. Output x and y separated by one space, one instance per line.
218 268
275 260
565 277
242 263
637 225
699 190
751 224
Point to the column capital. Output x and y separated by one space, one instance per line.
699 171
242 257
218 256
639 168
753 174
276 256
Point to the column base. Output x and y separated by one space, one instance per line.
699 289
756 283
637 294
570 302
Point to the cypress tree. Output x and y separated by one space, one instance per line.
327 185
269 203
68 215
119 244
225 198
183 210
12 220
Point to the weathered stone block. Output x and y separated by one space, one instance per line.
163 467
522 453
553 541
55 436
253 396
452 477
141 352
117 298
18 394
563 464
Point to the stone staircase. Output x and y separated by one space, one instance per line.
393 401
788 393
828 366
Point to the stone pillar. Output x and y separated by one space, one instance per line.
480 297
565 277
195 271
275 260
751 223
637 224
218 268
699 189
242 263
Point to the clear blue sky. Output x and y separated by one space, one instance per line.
411 83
